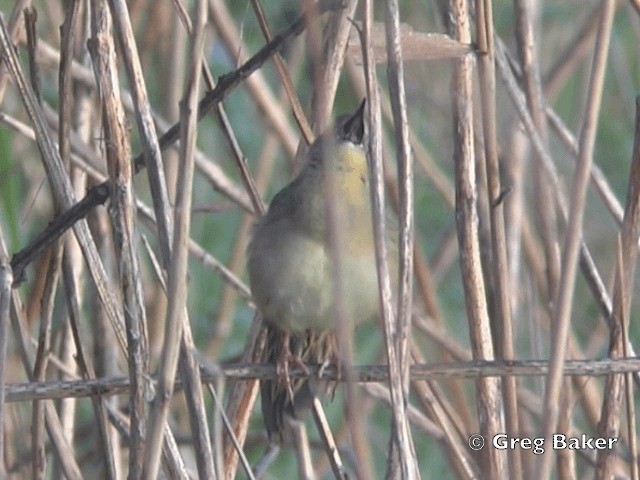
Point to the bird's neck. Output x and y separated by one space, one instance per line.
350 190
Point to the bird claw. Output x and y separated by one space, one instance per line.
333 360
282 367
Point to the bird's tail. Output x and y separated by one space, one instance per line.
313 348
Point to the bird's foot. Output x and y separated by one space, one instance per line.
332 359
282 367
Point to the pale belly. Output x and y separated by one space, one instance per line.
294 286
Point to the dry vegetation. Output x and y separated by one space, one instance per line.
507 140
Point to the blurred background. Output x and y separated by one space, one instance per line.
259 113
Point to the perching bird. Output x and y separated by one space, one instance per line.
290 264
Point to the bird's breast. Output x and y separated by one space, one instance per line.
294 284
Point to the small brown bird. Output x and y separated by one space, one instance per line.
290 264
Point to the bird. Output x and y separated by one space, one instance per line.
290 265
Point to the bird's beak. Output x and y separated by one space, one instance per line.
353 129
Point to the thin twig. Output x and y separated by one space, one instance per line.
226 84
452 434
54 389
328 440
61 448
266 102
587 264
571 250
61 185
234 439
578 47
285 78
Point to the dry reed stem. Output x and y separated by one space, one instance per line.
571 250
488 401
52 276
622 293
402 331
6 280
61 448
257 85
85 366
189 366
285 77
421 268
15 27
61 186
65 197
529 277
243 402
328 440
242 397
628 379
177 271
598 178
118 152
328 48
578 47
146 127
374 149
451 431
587 265
504 340
72 258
